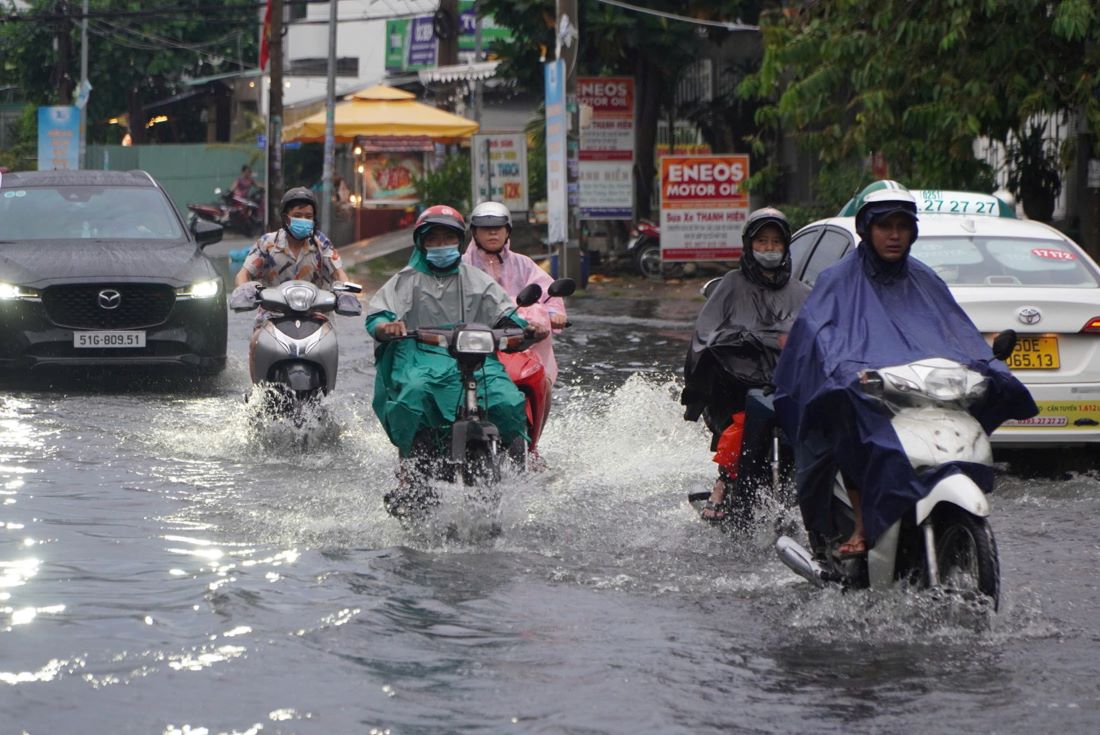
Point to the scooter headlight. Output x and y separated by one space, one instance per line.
300 298
200 290
946 384
475 342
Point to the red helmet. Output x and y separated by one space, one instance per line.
439 215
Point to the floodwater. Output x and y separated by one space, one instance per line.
169 565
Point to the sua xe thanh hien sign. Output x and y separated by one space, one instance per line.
607 147
703 206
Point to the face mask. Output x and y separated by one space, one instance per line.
442 257
769 260
300 228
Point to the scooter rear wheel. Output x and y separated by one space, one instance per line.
967 554
481 467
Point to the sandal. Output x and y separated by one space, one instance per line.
851 549
717 512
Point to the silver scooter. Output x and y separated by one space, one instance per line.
945 540
293 352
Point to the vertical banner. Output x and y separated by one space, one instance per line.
607 147
58 138
556 196
500 169
703 206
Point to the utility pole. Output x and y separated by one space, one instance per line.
330 124
568 43
84 86
63 81
448 21
275 117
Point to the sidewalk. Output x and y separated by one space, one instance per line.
366 250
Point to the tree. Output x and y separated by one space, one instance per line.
140 51
615 41
918 83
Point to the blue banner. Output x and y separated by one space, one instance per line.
557 200
58 138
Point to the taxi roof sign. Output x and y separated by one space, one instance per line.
966 203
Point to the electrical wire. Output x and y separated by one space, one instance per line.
728 25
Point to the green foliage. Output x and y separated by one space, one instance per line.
448 184
918 83
23 153
133 59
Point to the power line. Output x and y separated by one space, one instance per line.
727 25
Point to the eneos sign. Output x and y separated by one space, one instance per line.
703 206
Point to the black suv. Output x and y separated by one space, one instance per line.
97 268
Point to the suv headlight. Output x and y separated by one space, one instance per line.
10 292
475 342
200 290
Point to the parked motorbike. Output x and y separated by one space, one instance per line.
294 352
529 375
945 539
644 248
240 214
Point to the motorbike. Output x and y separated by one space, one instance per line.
473 449
294 352
240 214
527 372
945 540
644 248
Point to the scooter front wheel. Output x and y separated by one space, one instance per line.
966 553
482 466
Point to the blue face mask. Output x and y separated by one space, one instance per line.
442 257
300 228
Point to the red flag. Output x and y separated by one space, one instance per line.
265 37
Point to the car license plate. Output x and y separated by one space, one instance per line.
109 339
1034 353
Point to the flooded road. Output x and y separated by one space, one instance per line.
167 565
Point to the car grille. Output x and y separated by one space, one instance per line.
78 306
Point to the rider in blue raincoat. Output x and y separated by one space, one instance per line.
876 307
417 387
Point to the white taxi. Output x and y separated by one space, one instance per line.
1005 273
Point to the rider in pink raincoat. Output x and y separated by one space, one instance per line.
490 250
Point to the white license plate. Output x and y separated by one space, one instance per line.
109 339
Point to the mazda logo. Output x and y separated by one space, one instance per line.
109 299
1029 315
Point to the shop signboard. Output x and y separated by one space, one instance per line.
607 147
411 43
500 169
703 206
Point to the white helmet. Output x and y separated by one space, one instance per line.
491 214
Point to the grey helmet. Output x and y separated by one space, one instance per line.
491 214
757 219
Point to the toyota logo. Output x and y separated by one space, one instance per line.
1029 315
109 299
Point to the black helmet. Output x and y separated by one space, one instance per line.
762 217
298 195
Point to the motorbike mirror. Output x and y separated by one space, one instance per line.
1004 343
206 233
529 295
562 287
709 286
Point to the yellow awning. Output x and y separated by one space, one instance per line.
382 111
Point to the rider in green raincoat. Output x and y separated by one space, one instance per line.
417 386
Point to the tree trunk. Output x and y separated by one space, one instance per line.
647 87
137 117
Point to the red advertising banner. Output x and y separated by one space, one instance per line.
703 206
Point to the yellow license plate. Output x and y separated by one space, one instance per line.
1034 353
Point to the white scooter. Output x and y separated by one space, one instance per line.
945 540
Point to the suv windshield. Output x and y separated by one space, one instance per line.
1004 262
87 212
